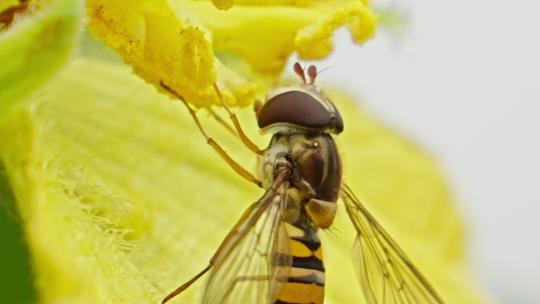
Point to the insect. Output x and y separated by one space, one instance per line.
273 254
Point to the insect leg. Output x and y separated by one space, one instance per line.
184 286
221 121
248 219
253 212
209 140
249 144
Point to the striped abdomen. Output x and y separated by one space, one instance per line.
305 283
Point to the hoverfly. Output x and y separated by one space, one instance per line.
273 254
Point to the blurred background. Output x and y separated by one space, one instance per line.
461 79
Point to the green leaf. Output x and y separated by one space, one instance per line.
15 278
35 47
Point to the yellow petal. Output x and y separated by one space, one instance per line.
404 189
34 47
113 193
314 42
190 45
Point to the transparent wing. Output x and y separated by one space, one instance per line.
385 272
254 261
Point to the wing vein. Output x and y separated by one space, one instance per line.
385 272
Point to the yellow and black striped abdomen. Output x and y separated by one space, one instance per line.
305 283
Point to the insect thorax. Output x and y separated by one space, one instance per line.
315 163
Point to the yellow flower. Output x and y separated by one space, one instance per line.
184 43
121 199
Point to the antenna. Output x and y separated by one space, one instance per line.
312 73
300 71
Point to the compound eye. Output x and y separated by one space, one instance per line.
295 108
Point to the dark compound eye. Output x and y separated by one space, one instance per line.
337 122
300 109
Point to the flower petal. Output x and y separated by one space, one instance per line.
186 43
113 193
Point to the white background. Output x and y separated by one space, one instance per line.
463 81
